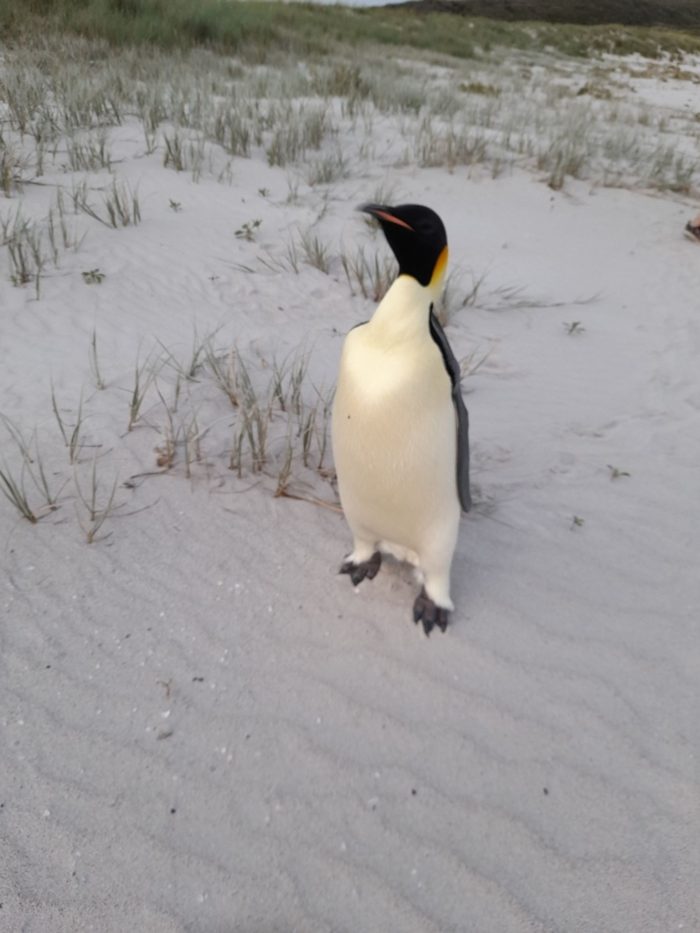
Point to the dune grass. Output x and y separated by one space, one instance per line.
256 31
676 14
274 426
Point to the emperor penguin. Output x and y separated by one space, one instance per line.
400 429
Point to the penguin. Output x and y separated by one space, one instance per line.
400 428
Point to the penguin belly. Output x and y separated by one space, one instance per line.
395 448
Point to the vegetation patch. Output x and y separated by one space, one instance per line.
257 31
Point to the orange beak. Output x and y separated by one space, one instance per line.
381 214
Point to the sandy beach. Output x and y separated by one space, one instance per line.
205 728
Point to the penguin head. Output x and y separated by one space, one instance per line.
418 239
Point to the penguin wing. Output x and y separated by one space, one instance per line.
455 374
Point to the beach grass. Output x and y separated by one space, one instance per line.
256 31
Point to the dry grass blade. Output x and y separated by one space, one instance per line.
225 370
143 377
73 440
285 472
41 481
14 492
94 361
17 437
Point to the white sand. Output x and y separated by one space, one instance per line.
205 729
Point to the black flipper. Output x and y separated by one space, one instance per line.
455 374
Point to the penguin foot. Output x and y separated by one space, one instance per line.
368 568
427 612
692 229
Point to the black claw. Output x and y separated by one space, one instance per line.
441 619
427 612
368 568
419 606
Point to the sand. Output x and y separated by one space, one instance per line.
205 728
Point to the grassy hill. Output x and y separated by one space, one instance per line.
256 31
673 14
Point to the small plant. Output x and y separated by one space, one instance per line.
173 151
577 522
247 230
328 169
41 481
11 166
89 154
564 155
285 471
315 251
255 423
449 147
615 473
13 488
72 439
8 223
122 206
175 206
192 444
184 154
285 146
226 373
97 515
57 222
372 277
143 377
477 87
290 260
93 277
25 248
326 407
252 425
165 452
14 492
120 202
575 327
297 374
230 130
198 355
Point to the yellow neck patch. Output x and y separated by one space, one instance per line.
440 267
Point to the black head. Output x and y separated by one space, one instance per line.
417 237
